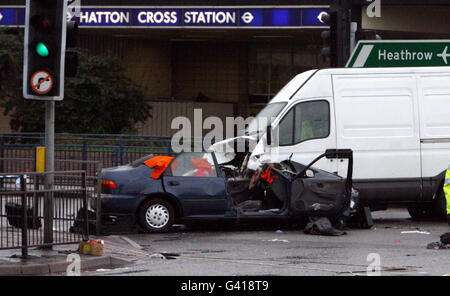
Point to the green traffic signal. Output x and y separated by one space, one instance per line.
41 49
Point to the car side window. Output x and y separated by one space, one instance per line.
305 121
193 165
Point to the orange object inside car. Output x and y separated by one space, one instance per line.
159 164
204 168
174 164
267 175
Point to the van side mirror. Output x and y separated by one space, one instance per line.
269 135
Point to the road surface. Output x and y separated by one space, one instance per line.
283 250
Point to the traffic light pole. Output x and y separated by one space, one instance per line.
49 167
49 140
47 34
353 29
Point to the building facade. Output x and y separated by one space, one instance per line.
226 57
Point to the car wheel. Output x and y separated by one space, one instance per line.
156 215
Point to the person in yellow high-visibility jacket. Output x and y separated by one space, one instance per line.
447 192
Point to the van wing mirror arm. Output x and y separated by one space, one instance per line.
269 135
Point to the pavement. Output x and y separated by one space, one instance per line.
55 261
397 242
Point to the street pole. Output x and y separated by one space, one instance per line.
49 141
353 29
49 167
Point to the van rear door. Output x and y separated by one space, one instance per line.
377 117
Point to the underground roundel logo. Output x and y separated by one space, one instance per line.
41 82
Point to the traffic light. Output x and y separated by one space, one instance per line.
44 49
329 37
337 38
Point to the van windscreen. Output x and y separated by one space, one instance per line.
264 118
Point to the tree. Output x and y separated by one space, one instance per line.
11 57
100 99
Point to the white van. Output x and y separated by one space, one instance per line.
396 121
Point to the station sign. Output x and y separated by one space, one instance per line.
400 53
184 17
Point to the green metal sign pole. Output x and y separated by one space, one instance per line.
400 53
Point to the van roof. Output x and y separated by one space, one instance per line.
293 86
386 70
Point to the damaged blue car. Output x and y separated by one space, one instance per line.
154 192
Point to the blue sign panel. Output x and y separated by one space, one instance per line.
309 17
12 16
195 17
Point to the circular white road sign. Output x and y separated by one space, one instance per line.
41 82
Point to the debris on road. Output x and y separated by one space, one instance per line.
443 244
91 247
157 256
278 240
445 238
111 269
438 246
321 226
164 256
415 232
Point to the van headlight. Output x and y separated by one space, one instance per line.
256 157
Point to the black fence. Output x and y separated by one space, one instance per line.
109 150
93 171
31 215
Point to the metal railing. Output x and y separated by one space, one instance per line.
110 150
86 153
31 215
93 171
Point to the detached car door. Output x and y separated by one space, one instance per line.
320 195
195 180
315 192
